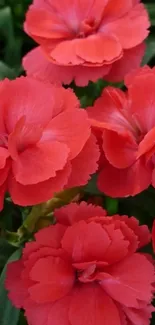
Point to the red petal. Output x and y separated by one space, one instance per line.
135 74
38 164
67 101
135 236
65 53
135 1
56 313
122 316
116 9
111 111
55 277
129 287
118 247
86 242
96 9
139 316
78 9
30 101
99 48
120 149
40 192
83 74
142 97
59 312
130 60
88 267
87 158
147 145
91 306
4 172
125 182
4 154
37 314
135 23
37 65
31 256
70 127
131 77
51 236
45 24
14 270
17 288
23 135
74 212
142 232
30 248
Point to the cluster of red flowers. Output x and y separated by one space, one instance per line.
83 270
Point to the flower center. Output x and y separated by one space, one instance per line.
86 275
87 27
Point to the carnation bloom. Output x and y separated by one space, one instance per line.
84 40
124 123
85 270
44 136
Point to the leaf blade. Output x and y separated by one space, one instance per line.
8 313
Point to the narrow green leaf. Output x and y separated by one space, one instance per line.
22 319
8 314
12 45
150 50
5 251
6 71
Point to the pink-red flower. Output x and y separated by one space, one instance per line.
84 40
85 270
44 137
124 123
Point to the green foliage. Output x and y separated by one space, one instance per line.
8 314
14 42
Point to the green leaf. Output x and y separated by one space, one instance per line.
8 314
6 71
151 10
5 251
2 2
11 51
150 50
22 319
91 187
111 205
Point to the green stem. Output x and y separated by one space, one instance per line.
47 208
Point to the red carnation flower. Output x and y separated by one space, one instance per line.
84 271
85 40
44 136
124 123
